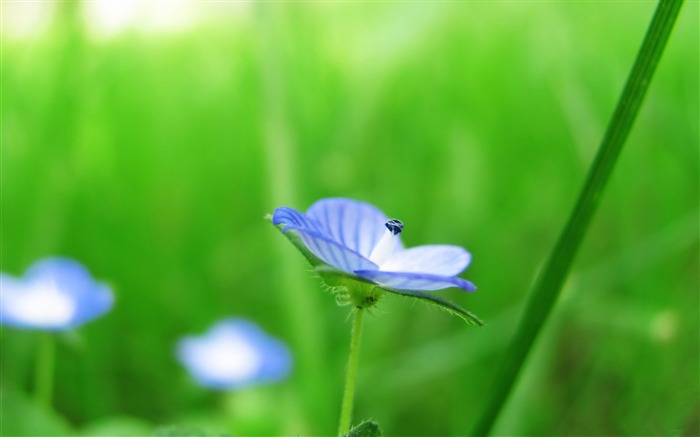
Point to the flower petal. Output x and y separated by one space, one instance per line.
90 298
291 217
442 260
69 276
11 292
92 305
332 252
55 294
357 225
415 281
234 353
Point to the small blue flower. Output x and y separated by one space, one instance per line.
233 354
55 294
360 240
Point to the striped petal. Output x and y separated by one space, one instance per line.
286 216
356 225
415 281
331 252
441 260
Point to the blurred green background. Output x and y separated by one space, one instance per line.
149 139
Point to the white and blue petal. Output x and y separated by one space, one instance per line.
440 260
93 304
234 353
331 252
55 294
32 306
415 281
356 225
286 216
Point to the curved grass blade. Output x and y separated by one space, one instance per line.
549 283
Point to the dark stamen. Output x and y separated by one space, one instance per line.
395 226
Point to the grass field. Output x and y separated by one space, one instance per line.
152 154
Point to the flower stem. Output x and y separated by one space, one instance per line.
351 372
43 382
549 283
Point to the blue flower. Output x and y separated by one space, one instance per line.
55 294
233 354
358 239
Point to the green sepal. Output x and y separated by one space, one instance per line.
349 288
444 304
368 428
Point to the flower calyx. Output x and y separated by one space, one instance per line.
348 289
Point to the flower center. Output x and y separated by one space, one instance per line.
388 243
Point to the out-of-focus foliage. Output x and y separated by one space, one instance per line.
152 155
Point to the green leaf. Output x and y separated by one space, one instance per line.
444 304
368 428
22 417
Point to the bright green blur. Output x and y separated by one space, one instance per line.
152 156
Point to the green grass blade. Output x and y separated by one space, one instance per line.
549 283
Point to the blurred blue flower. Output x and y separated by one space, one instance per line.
359 239
55 294
234 353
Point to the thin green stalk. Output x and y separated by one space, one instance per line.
351 373
549 283
43 382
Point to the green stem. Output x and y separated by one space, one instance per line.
43 383
549 283
351 375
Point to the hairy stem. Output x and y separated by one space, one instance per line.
351 372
